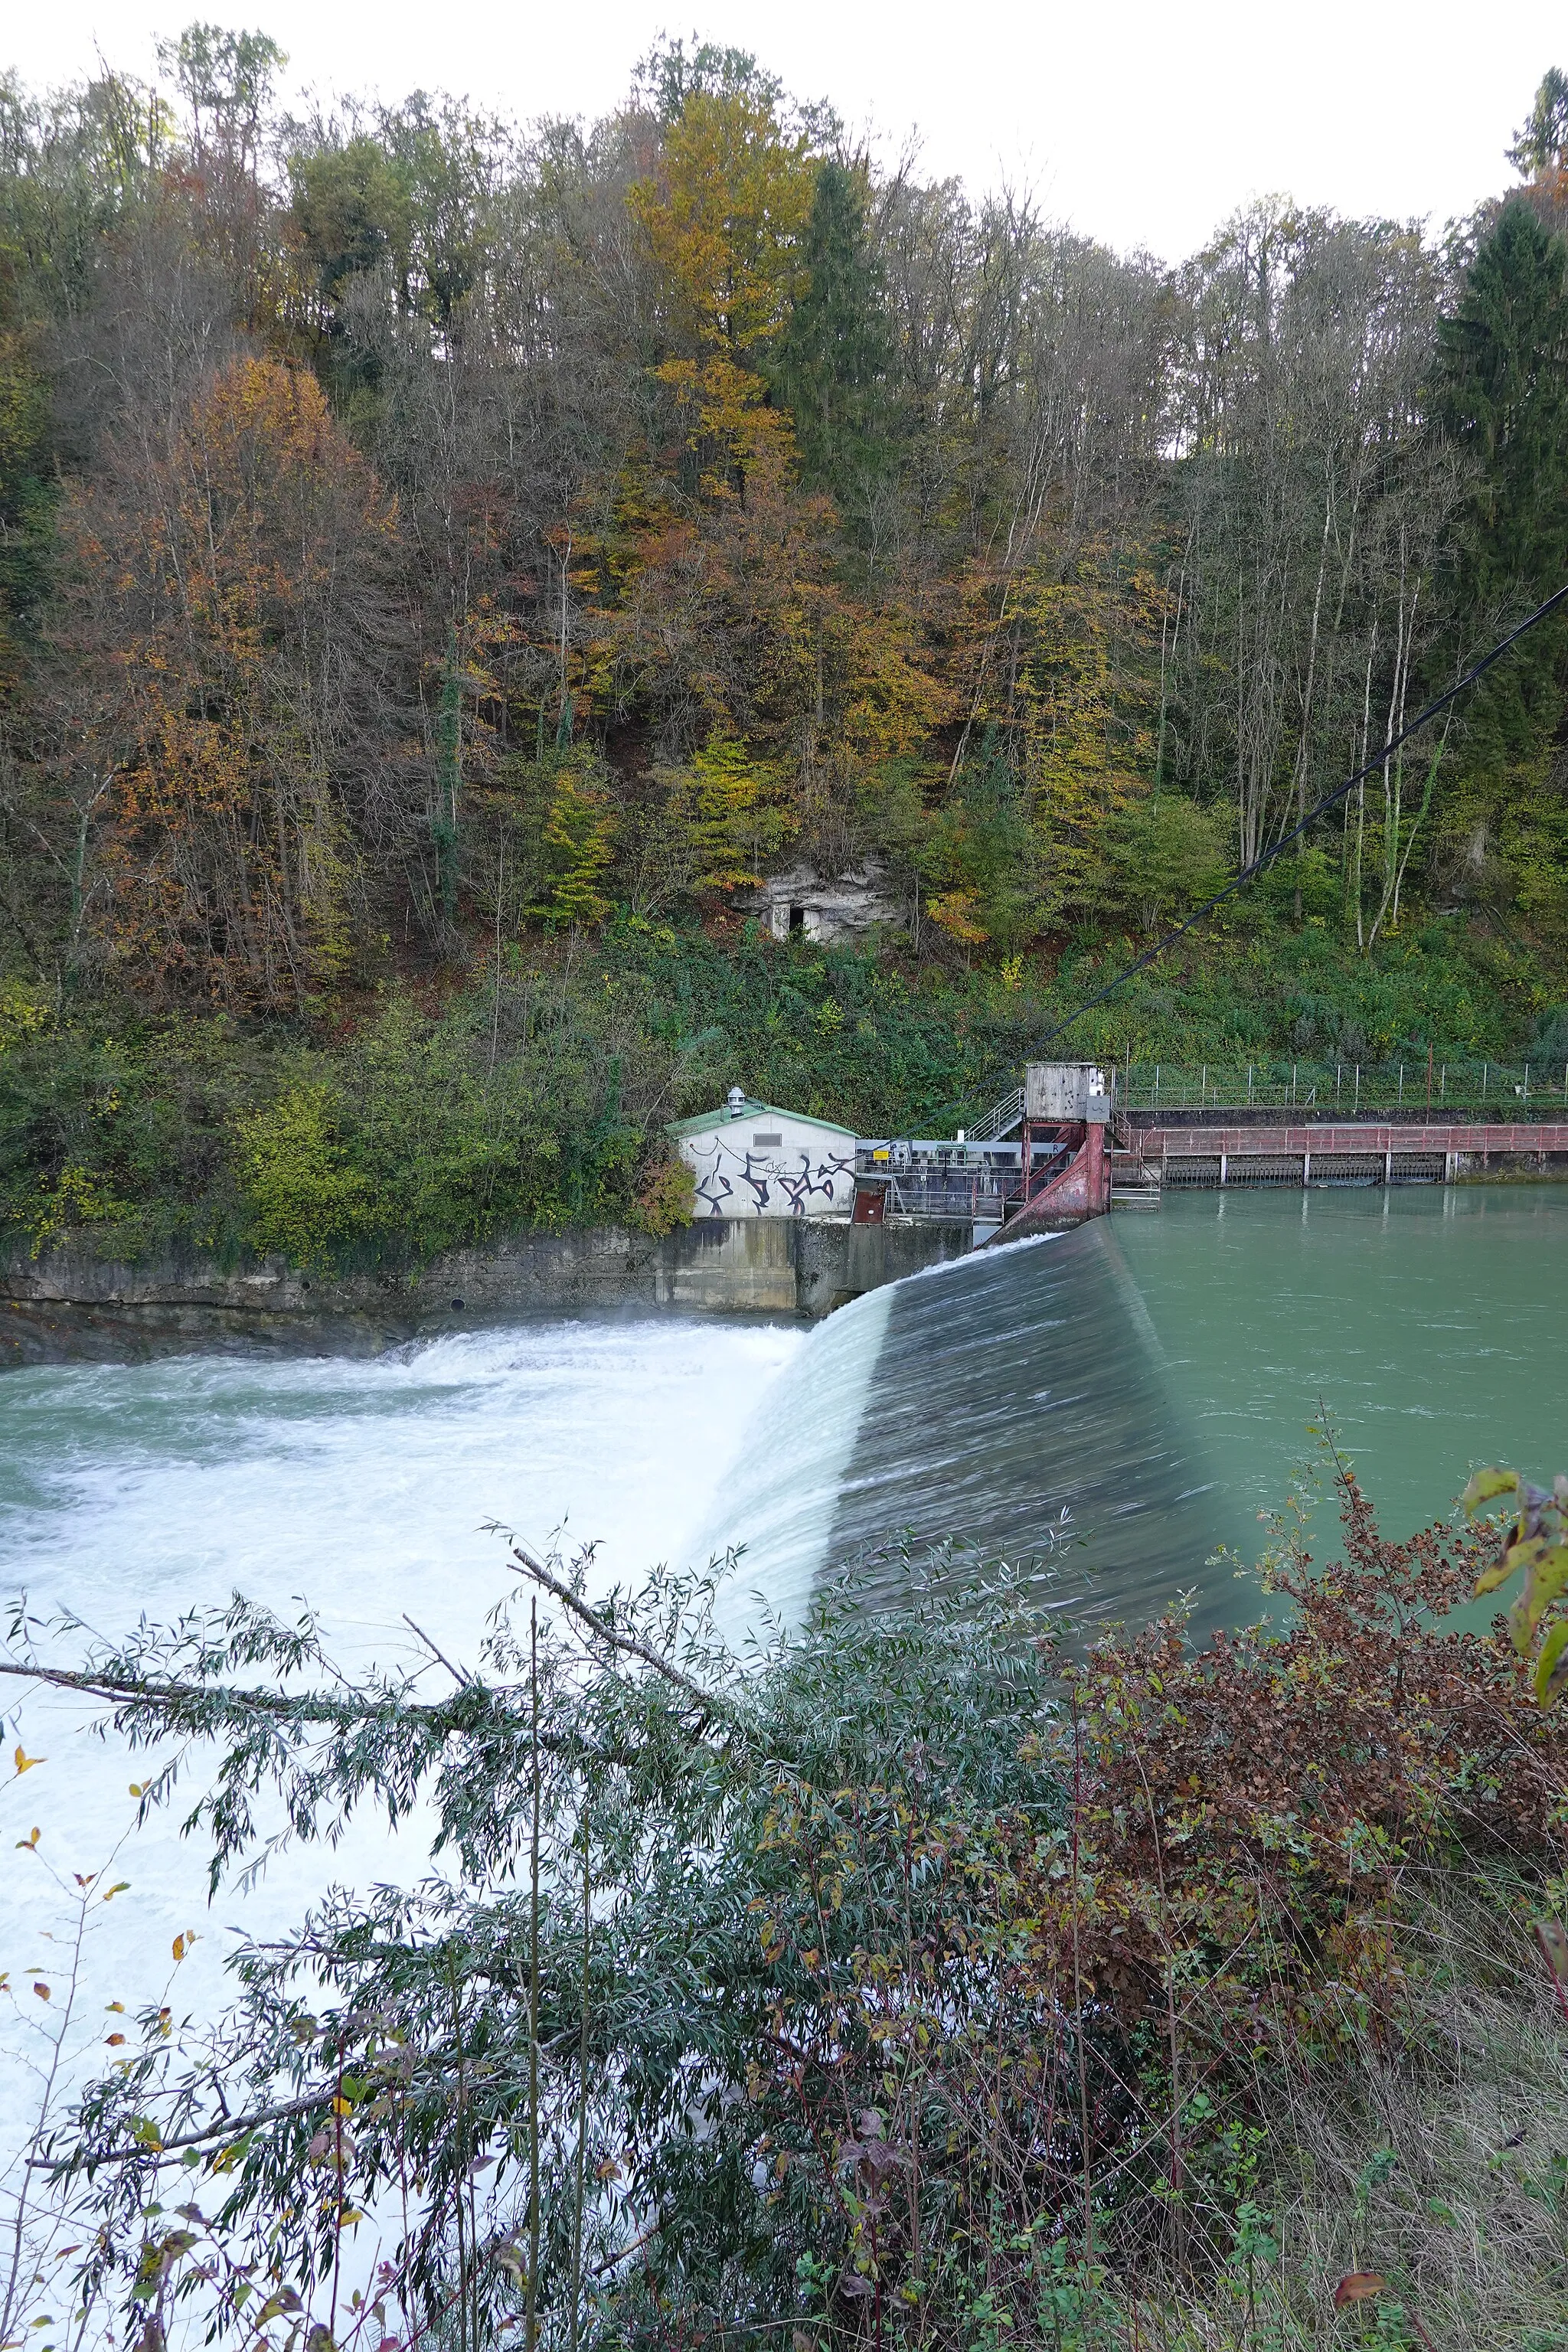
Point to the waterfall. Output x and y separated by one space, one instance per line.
1016 1400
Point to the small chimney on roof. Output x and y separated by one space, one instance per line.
735 1101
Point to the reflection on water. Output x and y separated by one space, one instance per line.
1424 1319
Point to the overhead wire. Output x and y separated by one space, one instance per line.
1329 800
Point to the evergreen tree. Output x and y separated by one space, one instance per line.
833 366
1502 395
1543 142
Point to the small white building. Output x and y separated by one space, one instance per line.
753 1160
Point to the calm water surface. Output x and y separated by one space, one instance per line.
1423 1317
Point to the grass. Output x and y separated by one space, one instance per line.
1437 2162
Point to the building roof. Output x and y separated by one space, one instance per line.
724 1116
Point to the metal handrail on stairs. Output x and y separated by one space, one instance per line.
1000 1120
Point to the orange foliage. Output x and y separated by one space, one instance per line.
228 584
742 609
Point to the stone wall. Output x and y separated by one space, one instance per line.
71 1306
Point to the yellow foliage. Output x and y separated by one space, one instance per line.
725 217
953 910
227 852
727 808
302 1196
1041 658
577 843
724 404
20 1017
743 612
77 1197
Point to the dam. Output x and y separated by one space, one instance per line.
1112 1408
1109 1409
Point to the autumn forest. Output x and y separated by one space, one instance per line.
448 567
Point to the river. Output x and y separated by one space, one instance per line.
1156 1377
1111 1407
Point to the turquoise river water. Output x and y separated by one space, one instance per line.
1115 1404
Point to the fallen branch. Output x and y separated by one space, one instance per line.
280 1707
711 1702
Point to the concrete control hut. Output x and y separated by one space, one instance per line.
753 1159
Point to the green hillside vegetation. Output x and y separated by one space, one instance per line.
445 569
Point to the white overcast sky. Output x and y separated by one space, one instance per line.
1138 123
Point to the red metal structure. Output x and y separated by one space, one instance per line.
1066 1166
1321 1150
1066 1176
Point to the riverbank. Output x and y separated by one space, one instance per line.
69 1305
1334 2117
73 1303
399 1123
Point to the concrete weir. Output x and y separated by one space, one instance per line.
70 1305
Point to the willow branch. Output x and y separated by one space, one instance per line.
711 1702
280 1708
225 2127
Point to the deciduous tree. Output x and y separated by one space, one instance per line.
226 614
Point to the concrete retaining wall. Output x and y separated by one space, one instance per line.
70 1306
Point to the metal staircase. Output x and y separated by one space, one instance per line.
1133 1185
1000 1120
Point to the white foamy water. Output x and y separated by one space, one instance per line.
782 1498
360 1487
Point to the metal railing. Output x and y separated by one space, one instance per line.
960 1192
1523 1090
999 1120
952 1192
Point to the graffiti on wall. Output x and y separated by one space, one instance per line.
748 1183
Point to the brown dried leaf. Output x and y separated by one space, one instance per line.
1358 2286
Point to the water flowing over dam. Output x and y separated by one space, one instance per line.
1151 1376
1157 1379
1014 1402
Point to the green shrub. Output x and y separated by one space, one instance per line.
668 1199
899 1984
303 1197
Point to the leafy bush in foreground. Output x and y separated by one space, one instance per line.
906 1981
